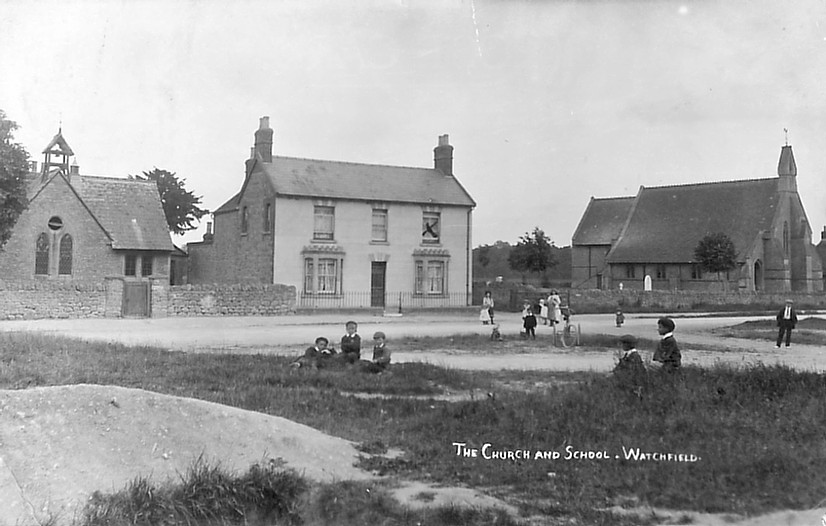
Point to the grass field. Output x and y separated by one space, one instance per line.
811 331
728 440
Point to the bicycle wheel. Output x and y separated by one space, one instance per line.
569 336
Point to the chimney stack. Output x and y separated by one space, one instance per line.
443 155
208 237
263 140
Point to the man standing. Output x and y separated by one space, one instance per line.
786 320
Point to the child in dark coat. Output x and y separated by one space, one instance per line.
667 353
351 343
529 320
381 355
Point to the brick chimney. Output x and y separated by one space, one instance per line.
208 237
263 140
443 155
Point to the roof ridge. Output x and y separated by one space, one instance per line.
351 163
113 178
708 183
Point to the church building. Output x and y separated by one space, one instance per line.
647 241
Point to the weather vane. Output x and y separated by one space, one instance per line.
786 130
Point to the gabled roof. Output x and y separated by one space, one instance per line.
342 180
602 221
58 140
230 205
667 222
129 210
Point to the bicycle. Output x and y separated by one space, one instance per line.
570 332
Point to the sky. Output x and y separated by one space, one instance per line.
547 103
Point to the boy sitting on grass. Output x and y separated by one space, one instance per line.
381 355
667 353
351 343
316 356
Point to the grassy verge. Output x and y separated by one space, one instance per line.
811 331
751 438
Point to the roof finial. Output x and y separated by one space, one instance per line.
786 130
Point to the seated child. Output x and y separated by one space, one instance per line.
351 344
495 335
667 353
381 355
316 356
630 363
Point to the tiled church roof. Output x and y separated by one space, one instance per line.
667 222
602 221
129 210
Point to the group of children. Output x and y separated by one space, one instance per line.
319 356
550 312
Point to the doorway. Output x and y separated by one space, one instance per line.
378 282
136 299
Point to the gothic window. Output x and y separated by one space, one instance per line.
268 217
41 255
245 219
64 265
786 238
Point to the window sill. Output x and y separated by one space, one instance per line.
379 243
323 241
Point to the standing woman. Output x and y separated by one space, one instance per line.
487 304
554 302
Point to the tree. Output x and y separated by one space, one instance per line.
533 253
483 255
716 253
14 165
179 204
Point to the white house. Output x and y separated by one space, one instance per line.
344 234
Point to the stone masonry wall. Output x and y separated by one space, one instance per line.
52 299
231 300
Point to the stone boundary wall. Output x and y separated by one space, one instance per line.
41 299
509 297
52 299
231 300
685 301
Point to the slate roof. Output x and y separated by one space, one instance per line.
602 221
667 222
343 180
129 210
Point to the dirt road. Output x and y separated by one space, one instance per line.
280 334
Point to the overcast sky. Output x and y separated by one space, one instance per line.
547 103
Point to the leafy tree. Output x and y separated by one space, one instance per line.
533 253
13 169
483 255
716 253
179 204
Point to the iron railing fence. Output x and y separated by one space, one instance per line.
389 301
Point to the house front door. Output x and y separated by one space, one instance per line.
136 299
378 273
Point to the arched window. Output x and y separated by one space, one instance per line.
41 255
65 263
786 238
